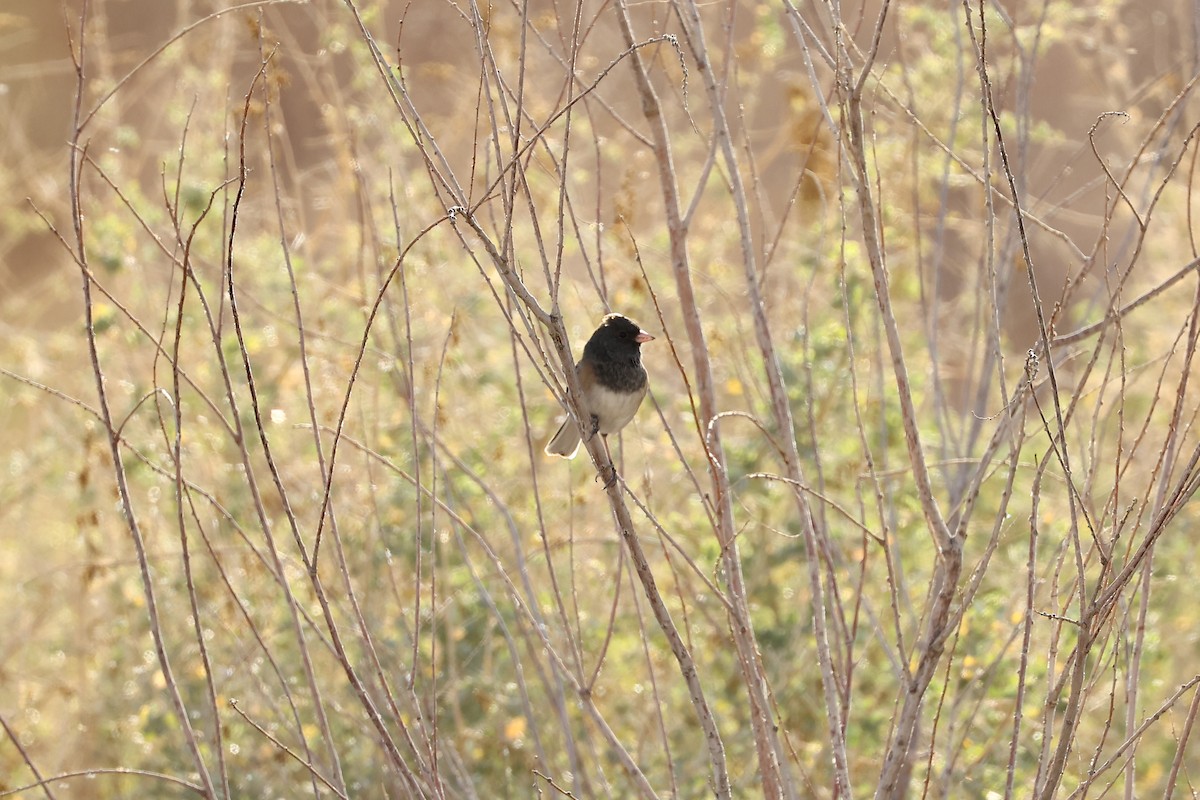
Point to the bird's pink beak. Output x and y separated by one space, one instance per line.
643 337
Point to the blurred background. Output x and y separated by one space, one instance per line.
455 557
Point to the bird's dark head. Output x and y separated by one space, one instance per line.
617 337
619 327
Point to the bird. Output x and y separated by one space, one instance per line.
613 381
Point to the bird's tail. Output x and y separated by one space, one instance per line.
566 441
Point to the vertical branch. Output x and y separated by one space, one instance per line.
182 718
722 500
939 621
852 97
386 739
1058 437
772 762
180 521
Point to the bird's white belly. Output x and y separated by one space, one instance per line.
614 409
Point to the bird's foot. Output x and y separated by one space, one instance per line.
595 428
612 476
607 469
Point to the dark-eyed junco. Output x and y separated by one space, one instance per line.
613 381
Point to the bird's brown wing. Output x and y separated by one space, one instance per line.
587 376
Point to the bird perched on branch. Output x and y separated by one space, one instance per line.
613 381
